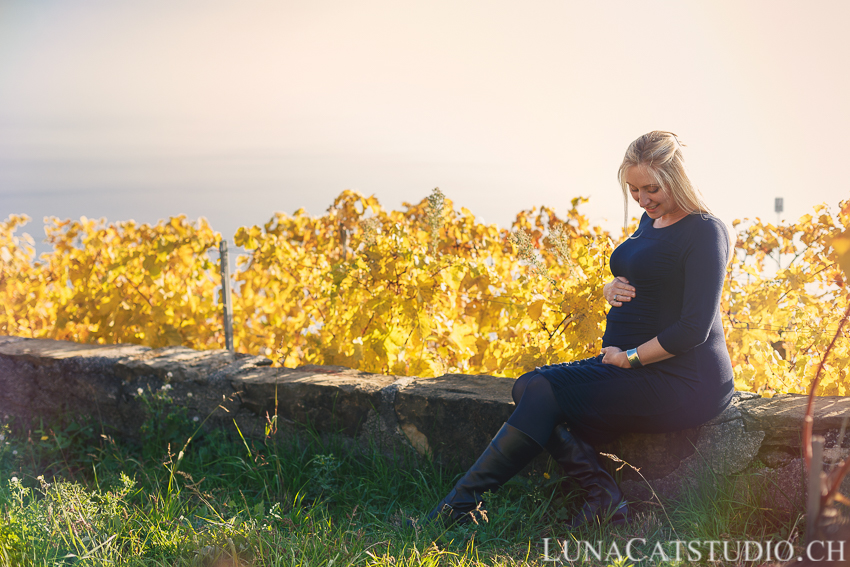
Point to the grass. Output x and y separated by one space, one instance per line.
70 495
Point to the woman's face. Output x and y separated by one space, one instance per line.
649 195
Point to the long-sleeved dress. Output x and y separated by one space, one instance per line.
678 273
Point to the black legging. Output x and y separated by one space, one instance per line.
537 412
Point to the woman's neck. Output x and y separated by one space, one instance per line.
667 220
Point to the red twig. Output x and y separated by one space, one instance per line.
808 421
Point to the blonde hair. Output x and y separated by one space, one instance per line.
661 153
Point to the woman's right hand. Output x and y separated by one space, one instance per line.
618 291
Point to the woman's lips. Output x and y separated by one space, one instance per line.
650 209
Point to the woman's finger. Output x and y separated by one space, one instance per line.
618 291
626 291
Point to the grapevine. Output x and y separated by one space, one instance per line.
423 291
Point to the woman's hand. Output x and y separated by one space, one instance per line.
615 356
618 291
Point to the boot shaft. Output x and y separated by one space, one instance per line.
506 455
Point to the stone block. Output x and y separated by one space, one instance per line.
329 398
42 378
781 417
175 364
454 417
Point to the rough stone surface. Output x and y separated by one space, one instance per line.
46 378
784 487
661 454
781 417
330 398
175 364
720 449
383 428
755 443
454 416
42 378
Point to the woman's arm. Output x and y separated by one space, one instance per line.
705 263
649 352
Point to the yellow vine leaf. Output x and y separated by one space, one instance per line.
841 243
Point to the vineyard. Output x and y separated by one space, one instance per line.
424 291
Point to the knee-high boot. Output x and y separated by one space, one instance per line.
508 452
605 500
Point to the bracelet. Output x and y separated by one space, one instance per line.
634 359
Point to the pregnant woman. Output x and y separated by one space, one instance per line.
663 364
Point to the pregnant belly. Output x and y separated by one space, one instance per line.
627 329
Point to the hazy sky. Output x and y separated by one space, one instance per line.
234 110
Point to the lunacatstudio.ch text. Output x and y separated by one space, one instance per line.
638 549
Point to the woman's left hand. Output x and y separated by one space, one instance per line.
615 356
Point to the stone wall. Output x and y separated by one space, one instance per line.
451 418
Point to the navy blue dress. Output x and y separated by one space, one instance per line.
678 273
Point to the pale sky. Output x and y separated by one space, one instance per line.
234 110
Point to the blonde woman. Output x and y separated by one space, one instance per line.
663 366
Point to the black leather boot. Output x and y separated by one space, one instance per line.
508 452
605 501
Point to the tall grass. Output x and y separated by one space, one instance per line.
71 495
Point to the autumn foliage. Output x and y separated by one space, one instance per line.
424 291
